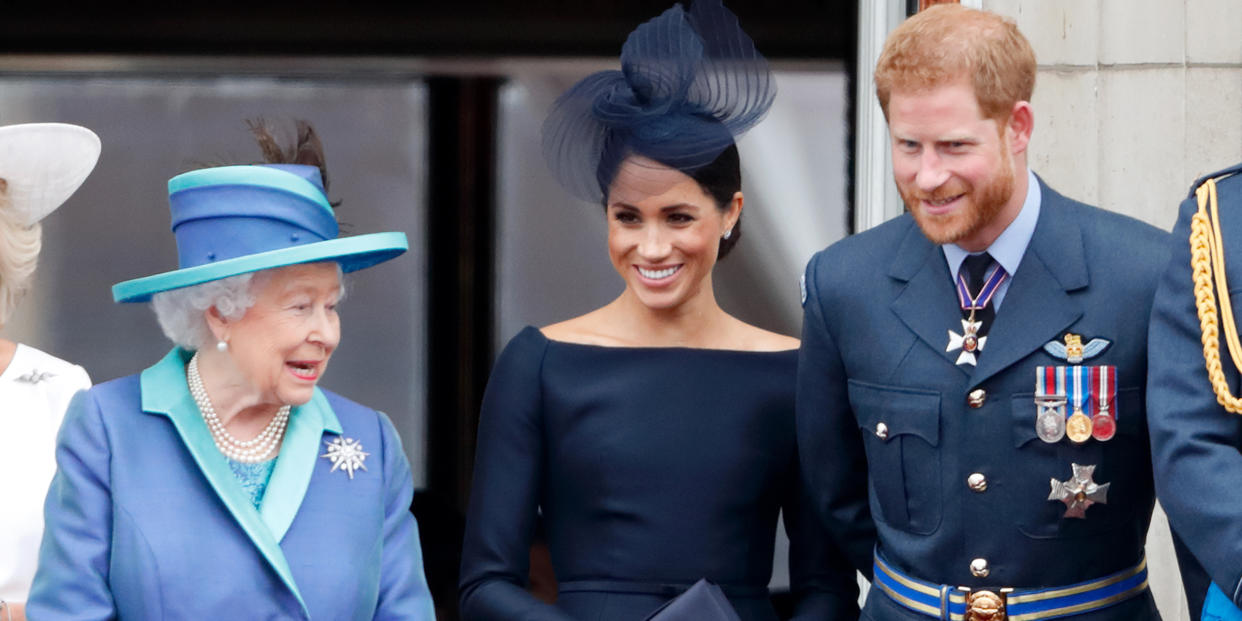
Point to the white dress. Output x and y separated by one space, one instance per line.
34 391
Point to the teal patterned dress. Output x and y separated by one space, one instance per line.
253 478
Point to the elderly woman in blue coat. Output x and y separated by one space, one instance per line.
222 481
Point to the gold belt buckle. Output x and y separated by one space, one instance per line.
985 605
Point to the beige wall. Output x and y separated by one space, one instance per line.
1134 100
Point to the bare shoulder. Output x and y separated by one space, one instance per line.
585 329
754 338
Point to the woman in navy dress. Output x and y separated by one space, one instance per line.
655 435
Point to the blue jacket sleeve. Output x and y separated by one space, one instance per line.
833 461
504 498
403 592
1195 442
821 578
71 583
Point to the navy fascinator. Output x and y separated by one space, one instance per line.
690 83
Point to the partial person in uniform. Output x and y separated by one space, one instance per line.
972 373
653 436
41 165
1192 405
222 481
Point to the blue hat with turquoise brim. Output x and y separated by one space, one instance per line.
232 220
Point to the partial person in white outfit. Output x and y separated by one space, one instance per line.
41 165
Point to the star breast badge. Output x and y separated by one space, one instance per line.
346 454
1079 492
968 341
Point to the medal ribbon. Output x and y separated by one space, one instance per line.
1104 378
1080 397
1049 377
989 288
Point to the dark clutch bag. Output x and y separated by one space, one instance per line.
702 602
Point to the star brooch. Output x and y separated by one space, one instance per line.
968 341
346 454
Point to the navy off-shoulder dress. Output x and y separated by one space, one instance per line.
652 468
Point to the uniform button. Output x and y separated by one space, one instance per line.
979 568
976 398
977 482
881 431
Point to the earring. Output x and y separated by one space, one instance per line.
727 234
222 346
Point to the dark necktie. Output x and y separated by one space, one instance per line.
977 269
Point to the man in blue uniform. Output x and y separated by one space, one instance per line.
1196 433
972 373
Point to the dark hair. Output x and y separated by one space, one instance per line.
306 148
720 179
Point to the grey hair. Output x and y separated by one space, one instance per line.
180 311
19 254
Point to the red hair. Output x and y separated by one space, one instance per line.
948 42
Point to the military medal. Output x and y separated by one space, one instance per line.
969 340
1079 492
1050 402
1078 426
1104 385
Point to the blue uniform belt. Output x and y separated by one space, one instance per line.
954 603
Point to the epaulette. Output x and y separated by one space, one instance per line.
1226 172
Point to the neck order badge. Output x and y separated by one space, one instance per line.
976 308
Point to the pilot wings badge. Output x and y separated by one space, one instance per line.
1074 351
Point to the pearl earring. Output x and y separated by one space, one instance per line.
727 234
222 346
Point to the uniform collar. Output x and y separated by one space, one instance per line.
164 390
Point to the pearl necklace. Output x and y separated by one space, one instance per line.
250 451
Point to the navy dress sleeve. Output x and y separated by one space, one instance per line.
833 461
1195 442
504 500
821 578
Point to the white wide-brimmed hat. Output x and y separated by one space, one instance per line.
43 164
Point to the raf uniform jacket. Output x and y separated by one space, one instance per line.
1196 443
146 521
878 309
